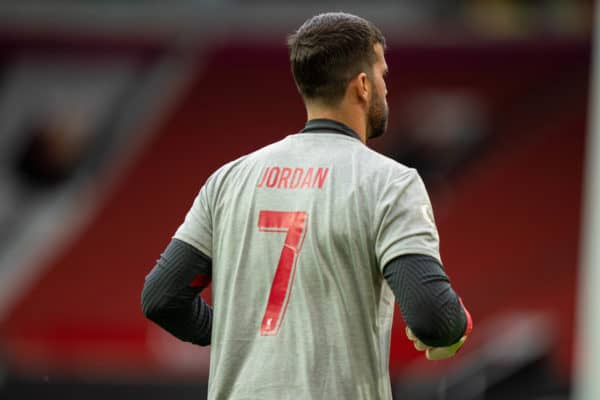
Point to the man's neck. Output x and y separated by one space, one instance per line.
352 120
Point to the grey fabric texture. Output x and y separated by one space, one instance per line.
299 232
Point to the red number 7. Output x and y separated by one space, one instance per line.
294 224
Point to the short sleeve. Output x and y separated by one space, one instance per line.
405 222
196 229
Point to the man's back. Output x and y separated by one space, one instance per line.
300 231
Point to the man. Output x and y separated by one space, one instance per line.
306 242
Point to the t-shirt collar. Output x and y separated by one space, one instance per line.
324 125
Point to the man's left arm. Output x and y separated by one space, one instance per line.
407 248
170 297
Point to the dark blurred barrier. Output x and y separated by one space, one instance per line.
27 389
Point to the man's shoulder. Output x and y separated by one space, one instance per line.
382 164
226 168
242 161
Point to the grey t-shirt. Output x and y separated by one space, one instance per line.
299 232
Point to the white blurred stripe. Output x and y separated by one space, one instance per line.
587 349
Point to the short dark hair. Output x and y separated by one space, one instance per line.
330 49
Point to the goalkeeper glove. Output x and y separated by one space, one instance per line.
441 353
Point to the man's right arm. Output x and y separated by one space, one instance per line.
170 297
431 309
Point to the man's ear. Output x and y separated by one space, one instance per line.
363 86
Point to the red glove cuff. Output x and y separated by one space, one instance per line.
469 319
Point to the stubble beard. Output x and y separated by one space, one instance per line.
377 116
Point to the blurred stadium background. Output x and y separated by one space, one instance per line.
113 113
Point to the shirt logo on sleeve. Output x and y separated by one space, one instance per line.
293 178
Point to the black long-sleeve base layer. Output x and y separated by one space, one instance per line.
170 295
430 307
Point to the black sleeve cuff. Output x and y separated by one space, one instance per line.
429 306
